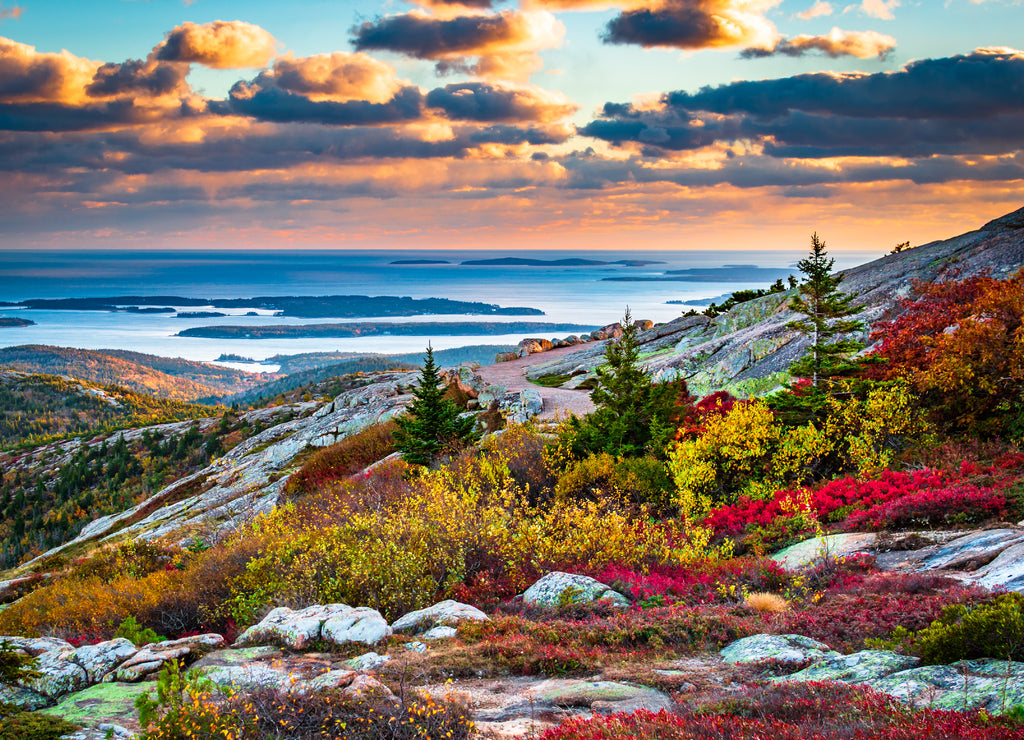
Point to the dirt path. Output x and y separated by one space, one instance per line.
557 401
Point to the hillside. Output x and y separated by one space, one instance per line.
172 378
831 562
35 407
748 349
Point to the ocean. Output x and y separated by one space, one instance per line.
566 294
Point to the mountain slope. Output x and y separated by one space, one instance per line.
749 349
173 378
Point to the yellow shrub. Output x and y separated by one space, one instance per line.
763 601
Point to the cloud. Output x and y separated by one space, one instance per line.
819 8
956 105
477 101
220 44
134 77
876 8
28 76
836 43
694 24
268 102
504 44
12 13
339 76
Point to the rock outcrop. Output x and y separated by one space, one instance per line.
338 624
749 349
559 588
992 685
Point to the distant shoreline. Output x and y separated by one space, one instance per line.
417 329
303 307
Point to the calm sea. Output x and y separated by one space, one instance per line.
565 294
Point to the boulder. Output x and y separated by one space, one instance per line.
448 612
534 346
363 625
296 629
972 550
506 357
643 324
19 696
867 665
606 697
367 661
440 633
804 553
59 676
99 659
793 649
147 661
558 588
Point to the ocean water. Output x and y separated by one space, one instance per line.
565 294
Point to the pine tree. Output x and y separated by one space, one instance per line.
432 424
633 414
826 309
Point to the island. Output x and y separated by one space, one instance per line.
303 307
411 329
148 309
200 315
11 321
723 274
228 357
569 262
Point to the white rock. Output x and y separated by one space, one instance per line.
363 625
448 612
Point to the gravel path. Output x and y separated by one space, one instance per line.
557 401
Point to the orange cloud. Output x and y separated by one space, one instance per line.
836 43
13 13
681 24
28 76
504 45
339 76
220 44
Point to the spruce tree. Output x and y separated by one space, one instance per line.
633 414
827 311
432 424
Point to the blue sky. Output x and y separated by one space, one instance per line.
540 123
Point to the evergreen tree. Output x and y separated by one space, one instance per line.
633 415
827 311
432 424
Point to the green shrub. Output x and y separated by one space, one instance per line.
992 630
15 665
132 630
18 725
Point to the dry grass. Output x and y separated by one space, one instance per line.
765 601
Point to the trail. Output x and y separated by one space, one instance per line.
557 401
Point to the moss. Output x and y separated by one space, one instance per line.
551 381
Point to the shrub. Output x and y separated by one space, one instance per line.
188 707
642 481
803 711
963 631
130 630
454 526
342 459
18 725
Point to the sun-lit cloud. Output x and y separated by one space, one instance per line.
220 44
504 45
836 43
28 76
817 10
339 76
876 8
12 13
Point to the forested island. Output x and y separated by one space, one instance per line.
418 329
308 307
11 321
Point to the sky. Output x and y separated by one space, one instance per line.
514 125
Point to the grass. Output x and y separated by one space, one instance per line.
551 381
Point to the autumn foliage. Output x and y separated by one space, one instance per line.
961 344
